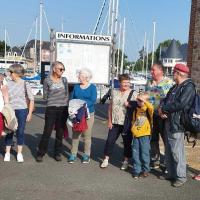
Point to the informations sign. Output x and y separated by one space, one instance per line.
78 51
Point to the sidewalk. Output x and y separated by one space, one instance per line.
53 180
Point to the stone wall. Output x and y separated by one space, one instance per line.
194 43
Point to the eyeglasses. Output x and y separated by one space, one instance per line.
61 69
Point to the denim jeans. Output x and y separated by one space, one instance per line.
113 135
141 154
55 117
21 116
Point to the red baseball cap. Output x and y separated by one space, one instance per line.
182 68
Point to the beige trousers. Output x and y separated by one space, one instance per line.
87 135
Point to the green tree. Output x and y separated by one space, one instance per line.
2 48
139 62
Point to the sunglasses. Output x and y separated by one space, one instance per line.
61 69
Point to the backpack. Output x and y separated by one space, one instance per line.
129 114
192 119
106 96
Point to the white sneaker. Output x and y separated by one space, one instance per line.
124 165
7 157
104 164
20 157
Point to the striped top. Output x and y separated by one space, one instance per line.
18 92
56 93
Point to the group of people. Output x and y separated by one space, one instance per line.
156 112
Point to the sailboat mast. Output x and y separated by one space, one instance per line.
109 18
153 46
147 63
5 48
35 61
116 16
123 45
144 50
119 44
113 17
41 10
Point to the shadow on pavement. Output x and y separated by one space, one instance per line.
32 142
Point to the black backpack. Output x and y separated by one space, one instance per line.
129 114
106 96
192 120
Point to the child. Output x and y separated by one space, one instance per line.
141 130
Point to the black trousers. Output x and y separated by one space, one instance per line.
55 117
158 130
113 135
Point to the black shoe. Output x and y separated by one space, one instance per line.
58 157
39 158
178 183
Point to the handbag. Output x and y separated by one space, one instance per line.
129 114
10 120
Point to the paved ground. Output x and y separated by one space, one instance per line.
59 180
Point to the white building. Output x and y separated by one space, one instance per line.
172 55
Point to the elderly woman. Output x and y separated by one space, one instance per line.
19 91
116 116
87 92
55 92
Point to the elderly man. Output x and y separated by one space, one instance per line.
157 88
177 102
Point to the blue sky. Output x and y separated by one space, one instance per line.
171 16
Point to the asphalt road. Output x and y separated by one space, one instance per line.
52 180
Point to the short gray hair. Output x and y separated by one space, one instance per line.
56 63
17 69
86 72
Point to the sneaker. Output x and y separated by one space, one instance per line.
39 158
7 157
124 165
20 157
178 183
85 159
58 157
155 165
136 176
104 164
197 177
72 159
